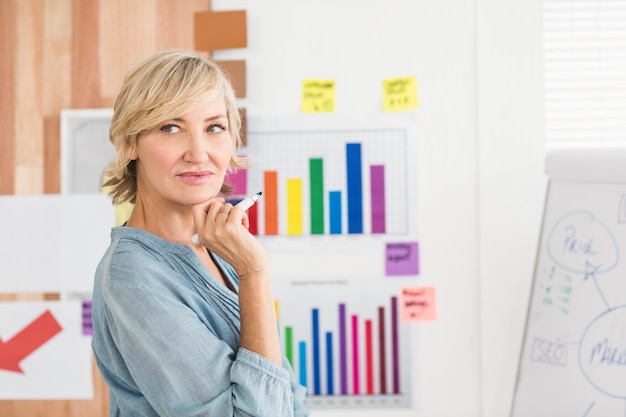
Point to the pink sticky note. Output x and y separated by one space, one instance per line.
401 258
239 181
418 304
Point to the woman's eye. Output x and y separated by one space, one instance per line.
216 128
170 129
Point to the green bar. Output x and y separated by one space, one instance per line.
316 172
289 345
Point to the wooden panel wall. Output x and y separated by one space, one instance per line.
58 54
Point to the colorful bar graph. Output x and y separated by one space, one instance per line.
353 181
360 345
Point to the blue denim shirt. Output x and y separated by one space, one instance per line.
166 337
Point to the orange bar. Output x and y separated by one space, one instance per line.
270 198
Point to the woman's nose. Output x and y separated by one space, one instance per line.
197 150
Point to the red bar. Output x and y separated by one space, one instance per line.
253 216
369 357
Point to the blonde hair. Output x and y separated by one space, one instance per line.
159 87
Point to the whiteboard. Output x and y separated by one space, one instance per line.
86 151
573 362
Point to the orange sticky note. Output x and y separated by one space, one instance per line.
418 304
220 30
236 70
318 96
399 94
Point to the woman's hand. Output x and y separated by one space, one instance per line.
223 229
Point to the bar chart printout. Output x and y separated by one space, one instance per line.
330 182
349 357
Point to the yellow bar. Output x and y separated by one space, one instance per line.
294 206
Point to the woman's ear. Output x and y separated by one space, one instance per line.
132 154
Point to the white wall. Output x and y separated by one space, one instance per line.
512 183
479 157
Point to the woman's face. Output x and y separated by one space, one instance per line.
183 161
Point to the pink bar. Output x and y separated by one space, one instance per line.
355 353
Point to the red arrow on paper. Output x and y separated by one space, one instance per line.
28 340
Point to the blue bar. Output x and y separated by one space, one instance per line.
329 364
315 326
334 211
302 362
355 188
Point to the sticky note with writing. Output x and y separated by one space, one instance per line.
418 304
318 96
399 94
86 319
401 258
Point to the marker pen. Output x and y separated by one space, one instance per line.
245 204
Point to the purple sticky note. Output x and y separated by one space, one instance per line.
87 323
401 258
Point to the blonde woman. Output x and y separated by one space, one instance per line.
184 329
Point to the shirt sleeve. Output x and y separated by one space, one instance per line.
182 367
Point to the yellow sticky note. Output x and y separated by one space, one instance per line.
318 96
399 94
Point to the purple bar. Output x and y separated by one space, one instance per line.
377 195
343 361
395 352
